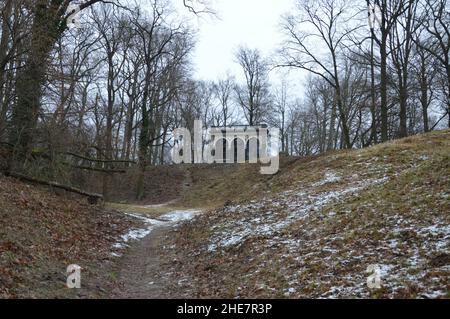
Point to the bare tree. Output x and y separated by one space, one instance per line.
253 96
49 22
389 11
163 48
223 91
401 46
436 21
323 22
48 25
280 112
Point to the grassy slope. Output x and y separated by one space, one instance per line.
326 220
335 221
42 233
203 186
215 185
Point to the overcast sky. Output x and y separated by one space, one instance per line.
253 23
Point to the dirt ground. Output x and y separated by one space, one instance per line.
141 275
337 205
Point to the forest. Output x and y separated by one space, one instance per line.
104 93
347 100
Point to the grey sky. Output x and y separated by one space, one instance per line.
254 23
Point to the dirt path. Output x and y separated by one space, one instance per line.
141 274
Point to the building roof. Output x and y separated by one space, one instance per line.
235 128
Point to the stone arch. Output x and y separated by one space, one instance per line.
252 150
238 151
220 150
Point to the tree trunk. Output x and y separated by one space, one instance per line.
143 155
144 141
383 89
45 30
403 110
331 135
448 92
343 118
373 128
130 118
7 9
109 124
424 94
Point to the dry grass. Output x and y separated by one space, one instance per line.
219 184
151 211
401 223
42 233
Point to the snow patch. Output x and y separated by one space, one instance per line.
330 177
169 219
260 222
179 215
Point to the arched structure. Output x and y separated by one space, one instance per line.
220 150
239 144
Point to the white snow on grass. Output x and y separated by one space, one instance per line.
260 222
330 177
179 215
169 219
410 248
441 234
155 206
434 295
436 230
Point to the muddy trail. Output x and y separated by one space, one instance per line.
141 273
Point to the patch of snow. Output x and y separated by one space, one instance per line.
179 215
170 219
290 291
155 206
434 294
136 234
443 244
392 243
436 230
414 261
330 177
385 270
265 223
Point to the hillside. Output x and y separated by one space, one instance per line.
309 231
196 185
319 224
41 233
